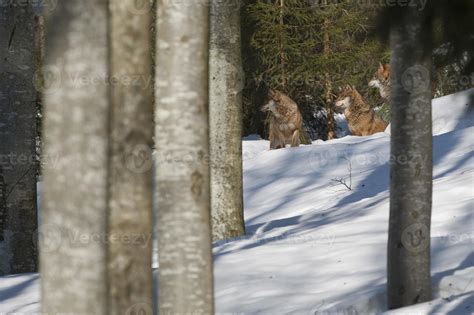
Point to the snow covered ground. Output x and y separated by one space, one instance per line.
315 247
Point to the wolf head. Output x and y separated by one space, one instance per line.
344 99
273 102
381 80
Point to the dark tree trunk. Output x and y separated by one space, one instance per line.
18 217
409 279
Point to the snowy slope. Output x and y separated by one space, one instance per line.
314 247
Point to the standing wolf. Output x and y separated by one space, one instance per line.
285 120
381 80
361 118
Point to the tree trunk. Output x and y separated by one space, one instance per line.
18 217
282 45
225 107
73 240
182 182
409 279
329 107
130 192
331 134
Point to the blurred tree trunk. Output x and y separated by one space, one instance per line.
409 280
76 107
182 140
18 166
225 108
130 190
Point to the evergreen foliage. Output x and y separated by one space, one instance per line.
284 48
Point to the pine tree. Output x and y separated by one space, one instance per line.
307 48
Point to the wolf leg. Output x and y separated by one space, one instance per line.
295 140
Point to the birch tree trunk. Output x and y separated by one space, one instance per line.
225 111
130 192
409 280
18 166
182 181
73 241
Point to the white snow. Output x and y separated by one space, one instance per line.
315 247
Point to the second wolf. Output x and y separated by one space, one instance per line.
361 118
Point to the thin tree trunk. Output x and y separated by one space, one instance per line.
182 182
225 107
18 218
282 44
130 192
329 107
409 280
73 243
331 123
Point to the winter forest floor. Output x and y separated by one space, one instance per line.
315 247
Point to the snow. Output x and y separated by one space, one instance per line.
315 247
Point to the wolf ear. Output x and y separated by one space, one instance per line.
271 93
381 66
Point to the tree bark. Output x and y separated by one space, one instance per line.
74 219
282 44
130 190
225 111
331 123
409 280
182 140
18 217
